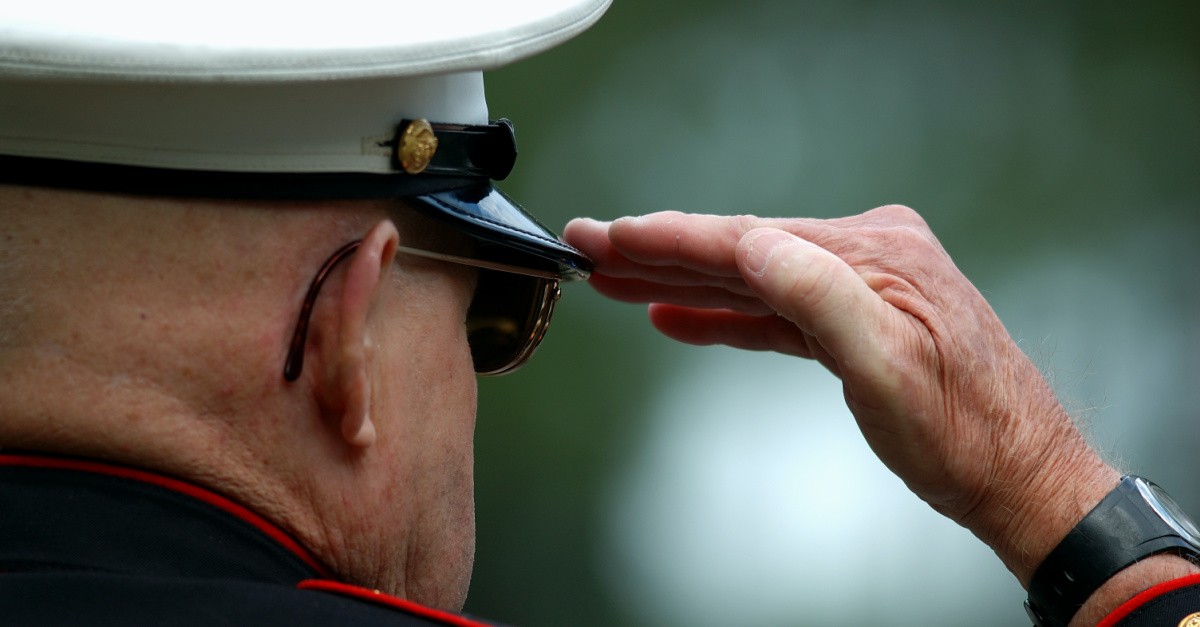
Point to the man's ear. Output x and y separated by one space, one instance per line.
344 375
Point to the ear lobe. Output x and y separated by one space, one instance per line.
346 377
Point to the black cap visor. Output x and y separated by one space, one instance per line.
503 232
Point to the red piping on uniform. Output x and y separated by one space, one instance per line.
387 600
176 485
1128 607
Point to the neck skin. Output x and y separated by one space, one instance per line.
153 332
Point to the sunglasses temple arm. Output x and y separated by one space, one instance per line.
478 263
295 357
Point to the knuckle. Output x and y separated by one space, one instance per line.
743 224
909 228
897 243
913 236
901 214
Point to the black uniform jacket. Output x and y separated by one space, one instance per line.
87 543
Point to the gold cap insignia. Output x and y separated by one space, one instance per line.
1192 620
418 143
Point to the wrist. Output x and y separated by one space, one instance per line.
1057 501
1051 480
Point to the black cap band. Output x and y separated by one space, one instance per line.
143 181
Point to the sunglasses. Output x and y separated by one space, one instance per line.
507 319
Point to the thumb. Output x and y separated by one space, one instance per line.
820 293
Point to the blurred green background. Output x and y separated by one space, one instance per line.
1053 147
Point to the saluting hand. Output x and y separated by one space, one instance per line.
940 391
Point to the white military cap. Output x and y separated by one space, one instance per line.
275 98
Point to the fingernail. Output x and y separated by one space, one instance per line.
761 247
571 228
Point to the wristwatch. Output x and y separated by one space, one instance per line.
1136 520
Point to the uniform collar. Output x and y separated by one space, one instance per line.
71 514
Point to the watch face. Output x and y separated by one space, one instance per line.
1170 511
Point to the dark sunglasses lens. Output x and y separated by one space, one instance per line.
507 319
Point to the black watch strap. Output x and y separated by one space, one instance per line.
1134 521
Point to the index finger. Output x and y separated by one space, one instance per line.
701 243
592 238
